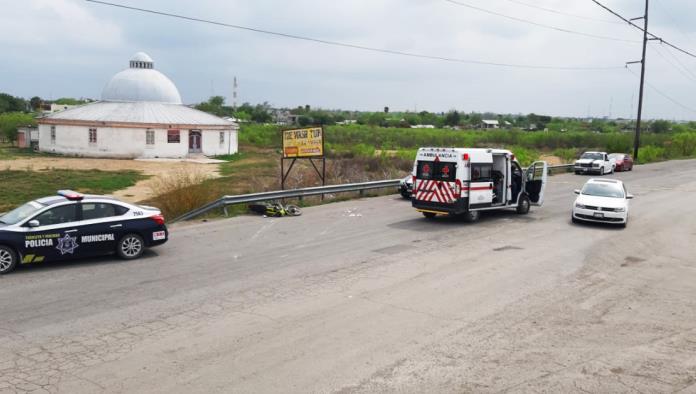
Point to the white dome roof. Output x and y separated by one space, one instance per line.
141 82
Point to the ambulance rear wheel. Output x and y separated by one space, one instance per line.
8 260
523 205
428 215
471 216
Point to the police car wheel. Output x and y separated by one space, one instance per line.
523 205
8 260
131 246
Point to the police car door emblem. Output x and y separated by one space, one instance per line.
67 244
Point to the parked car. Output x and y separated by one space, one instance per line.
602 201
406 186
594 162
623 161
71 225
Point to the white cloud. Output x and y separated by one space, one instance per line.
288 72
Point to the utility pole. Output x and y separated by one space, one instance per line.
636 139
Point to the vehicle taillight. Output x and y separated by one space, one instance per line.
159 219
457 188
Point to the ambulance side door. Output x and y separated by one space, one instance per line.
481 185
535 179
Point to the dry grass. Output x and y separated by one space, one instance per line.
181 191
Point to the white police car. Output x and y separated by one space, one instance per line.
71 225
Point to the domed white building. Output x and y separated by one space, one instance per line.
140 115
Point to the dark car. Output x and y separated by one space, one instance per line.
406 186
71 225
624 162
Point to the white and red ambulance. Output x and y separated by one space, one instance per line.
466 181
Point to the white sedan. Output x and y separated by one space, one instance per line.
602 201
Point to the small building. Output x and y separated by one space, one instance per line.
490 124
140 115
27 137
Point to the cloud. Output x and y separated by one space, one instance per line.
87 43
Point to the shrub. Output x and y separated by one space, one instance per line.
649 154
181 191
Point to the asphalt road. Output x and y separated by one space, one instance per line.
368 296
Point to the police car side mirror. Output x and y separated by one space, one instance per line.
33 223
629 196
576 191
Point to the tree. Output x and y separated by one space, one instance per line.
10 121
660 126
304 120
35 103
452 118
70 101
10 103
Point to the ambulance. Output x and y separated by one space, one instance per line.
466 181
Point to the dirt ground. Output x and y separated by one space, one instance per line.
138 192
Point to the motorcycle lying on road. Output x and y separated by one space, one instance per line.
274 209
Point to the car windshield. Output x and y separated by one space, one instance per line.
603 189
21 213
591 155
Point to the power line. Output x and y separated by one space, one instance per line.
658 91
527 21
553 11
681 68
653 36
355 46
669 15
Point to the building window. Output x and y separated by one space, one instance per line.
53 134
150 137
173 136
92 136
222 138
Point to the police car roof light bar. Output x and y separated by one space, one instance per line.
71 195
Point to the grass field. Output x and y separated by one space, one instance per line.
362 141
21 186
9 152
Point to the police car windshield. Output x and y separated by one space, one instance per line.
603 190
593 156
21 213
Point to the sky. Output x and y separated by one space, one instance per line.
71 48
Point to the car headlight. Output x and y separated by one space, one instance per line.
595 164
579 206
620 209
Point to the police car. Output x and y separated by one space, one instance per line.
71 225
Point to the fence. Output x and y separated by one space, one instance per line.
310 191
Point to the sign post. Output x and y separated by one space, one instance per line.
307 143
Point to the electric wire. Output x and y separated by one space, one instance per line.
553 11
527 21
356 46
653 36
678 66
658 91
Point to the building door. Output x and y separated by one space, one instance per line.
195 141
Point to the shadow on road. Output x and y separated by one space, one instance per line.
79 263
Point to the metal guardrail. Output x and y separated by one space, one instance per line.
305 192
294 193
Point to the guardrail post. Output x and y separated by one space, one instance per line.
224 209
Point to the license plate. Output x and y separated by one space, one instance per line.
159 235
598 215
584 170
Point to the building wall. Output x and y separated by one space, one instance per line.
131 142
